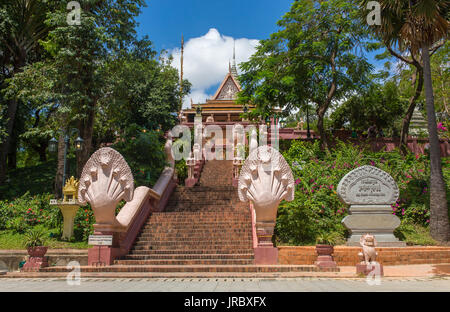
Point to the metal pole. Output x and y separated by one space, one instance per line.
66 147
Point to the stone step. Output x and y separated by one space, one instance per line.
247 256
192 238
199 219
184 248
198 268
223 213
213 276
201 226
214 227
201 209
183 236
199 243
185 262
192 251
205 188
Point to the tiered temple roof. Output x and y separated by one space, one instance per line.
222 107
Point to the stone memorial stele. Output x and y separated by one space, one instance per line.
370 192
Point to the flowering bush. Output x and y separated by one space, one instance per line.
317 209
83 223
442 128
27 211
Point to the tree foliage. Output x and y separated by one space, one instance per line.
379 105
315 57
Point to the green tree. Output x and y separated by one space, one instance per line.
440 71
97 78
22 25
379 105
419 25
314 58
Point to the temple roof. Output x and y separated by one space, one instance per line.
228 89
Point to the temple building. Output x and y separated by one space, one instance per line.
222 107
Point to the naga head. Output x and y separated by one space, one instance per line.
105 181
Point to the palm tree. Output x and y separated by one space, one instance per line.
421 25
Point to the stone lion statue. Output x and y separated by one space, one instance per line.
368 244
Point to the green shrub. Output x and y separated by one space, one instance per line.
27 211
316 207
84 223
181 169
414 234
34 238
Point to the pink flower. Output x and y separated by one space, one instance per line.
297 181
441 127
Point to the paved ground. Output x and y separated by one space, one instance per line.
425 284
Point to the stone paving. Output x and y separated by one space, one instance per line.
434 284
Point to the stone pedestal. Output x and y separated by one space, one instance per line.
365 269
36 259
324 256
265 253
101 255
68 211
35 263
377 220
104 253
325 262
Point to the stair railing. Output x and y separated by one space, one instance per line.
109 172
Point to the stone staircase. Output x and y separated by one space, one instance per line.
205 231
203 228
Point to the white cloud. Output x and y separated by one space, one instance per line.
206 61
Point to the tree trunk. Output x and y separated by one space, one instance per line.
42 152
59 168
5 147
323 136
87 133
12 157
11 115
407 119
439 221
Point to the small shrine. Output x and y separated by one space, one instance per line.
70 190
68 206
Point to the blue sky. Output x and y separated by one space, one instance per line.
211 28
165 20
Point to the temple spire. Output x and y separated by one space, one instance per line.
233 70
181 74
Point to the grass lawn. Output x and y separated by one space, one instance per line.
10 240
